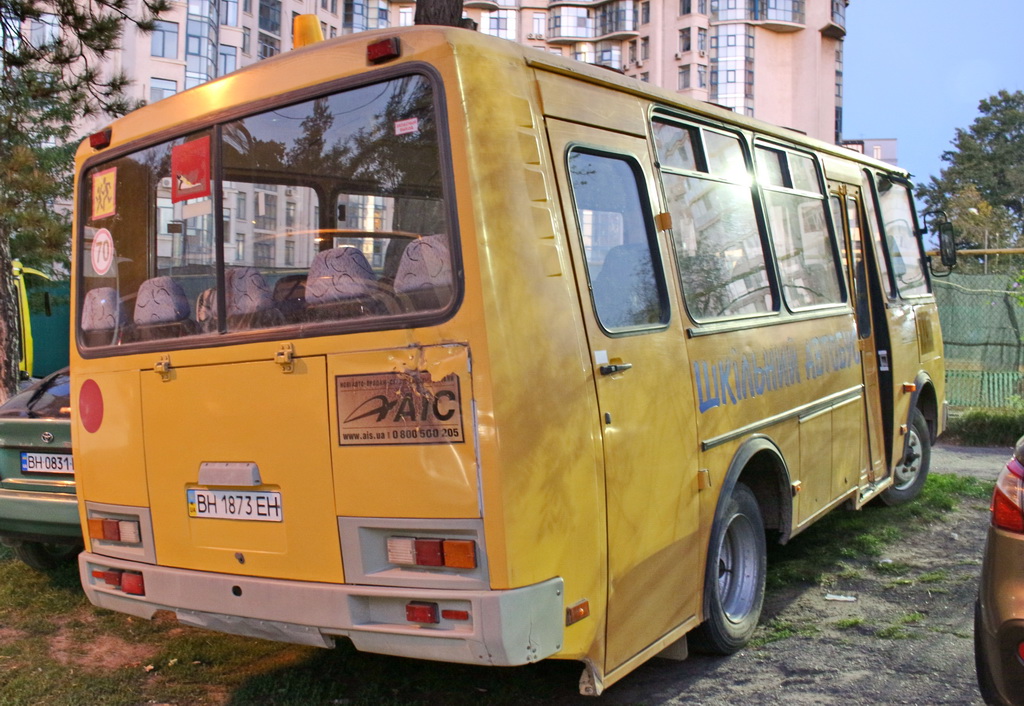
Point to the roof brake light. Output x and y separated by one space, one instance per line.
383 50
101 139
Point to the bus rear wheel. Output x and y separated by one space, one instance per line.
735 576
911 472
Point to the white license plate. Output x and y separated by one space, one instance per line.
258 505
46 463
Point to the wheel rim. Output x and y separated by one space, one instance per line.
907 470
738 569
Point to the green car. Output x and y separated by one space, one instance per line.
38 508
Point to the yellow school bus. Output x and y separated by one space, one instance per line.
467 352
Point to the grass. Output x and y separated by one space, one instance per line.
818 558
56 649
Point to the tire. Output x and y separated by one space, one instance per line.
911 472
43 557
735 576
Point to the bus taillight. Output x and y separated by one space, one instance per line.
128 581
450 553
114 530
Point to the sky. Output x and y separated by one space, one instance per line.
917 69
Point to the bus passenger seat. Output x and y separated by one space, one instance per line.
250 302
341 285
103 318
424 277
290 295
162 310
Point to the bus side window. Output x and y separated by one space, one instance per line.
618 240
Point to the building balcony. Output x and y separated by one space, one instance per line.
491 5
569 35
834 30
618 34
780 26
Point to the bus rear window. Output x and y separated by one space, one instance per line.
329 211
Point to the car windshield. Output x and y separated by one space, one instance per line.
50 398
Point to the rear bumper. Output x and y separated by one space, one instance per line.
1001 627
505 628
39 516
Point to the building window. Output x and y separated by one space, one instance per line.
239 247
685 7
540 21
334 32
702 76
44 31
684 77
645 48
163 41
229 13
702 39
702 6
268 46
645 77
645 12
247 6
334 7
684 39
270 17
160 88
632 52
289 253
228 59
405 16
241 206
246 41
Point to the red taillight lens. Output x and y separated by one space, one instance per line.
1008 498
420 612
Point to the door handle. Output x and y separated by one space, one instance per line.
616 368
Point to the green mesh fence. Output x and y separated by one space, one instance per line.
982 327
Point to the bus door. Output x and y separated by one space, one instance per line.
846 209
644 392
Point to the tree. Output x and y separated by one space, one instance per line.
52 80
982 189
441 12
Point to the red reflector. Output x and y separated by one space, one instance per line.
112 530
99 140
455 614
132 583
429 552
419 612
384 50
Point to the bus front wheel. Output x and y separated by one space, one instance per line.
735 576
911 472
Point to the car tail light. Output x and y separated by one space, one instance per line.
421 612
1008 498
111 529
128 581
432 551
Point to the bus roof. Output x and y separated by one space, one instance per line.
305 68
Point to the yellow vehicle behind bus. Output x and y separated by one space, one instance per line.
468 352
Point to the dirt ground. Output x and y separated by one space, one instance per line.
905 638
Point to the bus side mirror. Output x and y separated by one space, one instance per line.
947 243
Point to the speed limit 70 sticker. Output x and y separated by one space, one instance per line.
102 252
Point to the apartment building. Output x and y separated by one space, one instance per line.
777 60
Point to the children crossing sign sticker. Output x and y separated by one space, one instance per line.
104 194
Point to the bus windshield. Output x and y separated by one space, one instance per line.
327 211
